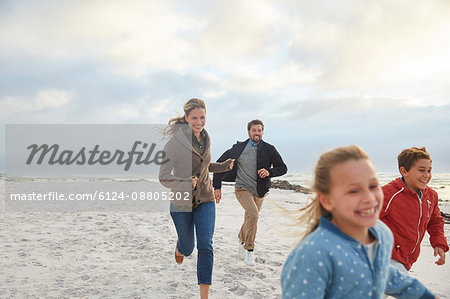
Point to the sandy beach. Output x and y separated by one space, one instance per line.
130 255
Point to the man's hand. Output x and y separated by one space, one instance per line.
218 195
230 166
439 251
263 173
194 182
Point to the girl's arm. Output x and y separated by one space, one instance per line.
401 285
303 275
435 226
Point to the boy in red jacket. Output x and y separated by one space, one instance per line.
411 207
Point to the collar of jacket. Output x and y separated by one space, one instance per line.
260 144
189 133
399 184
325 222
253 143
180 135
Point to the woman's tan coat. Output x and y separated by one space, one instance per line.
184 163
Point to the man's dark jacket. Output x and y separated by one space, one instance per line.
266 157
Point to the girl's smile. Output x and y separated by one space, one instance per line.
355 198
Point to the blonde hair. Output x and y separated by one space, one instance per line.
179 120
322 181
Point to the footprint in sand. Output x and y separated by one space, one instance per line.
238 289
260 260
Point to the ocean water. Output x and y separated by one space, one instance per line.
440 182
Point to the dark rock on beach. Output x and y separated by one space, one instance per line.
285 185
446 217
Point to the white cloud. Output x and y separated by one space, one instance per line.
332 65
45 106
52 99
145 110
128 113
48 99
250 46
239 31
260 82
211 94
390 47
128 36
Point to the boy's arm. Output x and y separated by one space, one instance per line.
401 285
439 251
435 228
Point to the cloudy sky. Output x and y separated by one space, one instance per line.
319 73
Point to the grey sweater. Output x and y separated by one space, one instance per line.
246 169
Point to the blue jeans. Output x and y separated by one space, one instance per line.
202 218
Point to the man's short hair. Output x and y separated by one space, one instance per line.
409 156
255 122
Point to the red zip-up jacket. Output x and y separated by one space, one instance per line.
409 217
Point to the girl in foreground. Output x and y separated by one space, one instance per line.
346 250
